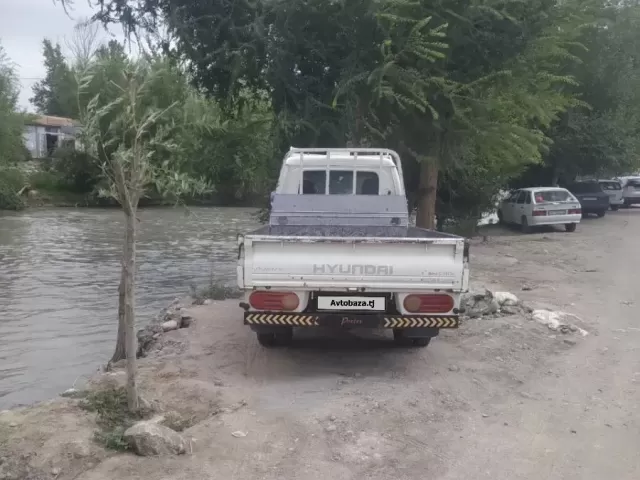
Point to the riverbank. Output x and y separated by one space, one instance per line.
507 394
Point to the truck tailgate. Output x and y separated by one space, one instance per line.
368 264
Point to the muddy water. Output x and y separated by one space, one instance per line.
59 271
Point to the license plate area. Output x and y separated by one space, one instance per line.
590 199
353 303
557 212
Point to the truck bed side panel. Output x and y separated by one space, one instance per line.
368 264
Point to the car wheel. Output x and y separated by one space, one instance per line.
601 213
525 225
615 208
570 227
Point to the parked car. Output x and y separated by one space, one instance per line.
630 190
613 188
537 206
339 252
592 198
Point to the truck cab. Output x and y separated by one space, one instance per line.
339 252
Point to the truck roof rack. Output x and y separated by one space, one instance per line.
381 152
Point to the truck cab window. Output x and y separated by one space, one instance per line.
367 183
313 182
340 182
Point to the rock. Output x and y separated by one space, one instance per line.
454 368
557 321
509 310
570 341
147 337
151 439
477 304
55 472
208 301
506 299
169 325
330 428
185 321
484 415
526 288
332 418
71 393
239 434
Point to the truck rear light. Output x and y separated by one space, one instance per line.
274 301
428 303
575 211
539 213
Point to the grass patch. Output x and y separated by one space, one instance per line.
113 416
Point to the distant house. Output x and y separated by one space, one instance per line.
44 134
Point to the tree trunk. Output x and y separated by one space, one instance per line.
129 274
428 189
120 351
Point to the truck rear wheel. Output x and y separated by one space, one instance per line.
404 341
284 336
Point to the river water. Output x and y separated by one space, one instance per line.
59 272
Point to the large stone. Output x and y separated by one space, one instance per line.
149 438
506 299
477 304
170 325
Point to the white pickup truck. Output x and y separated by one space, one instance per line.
338 252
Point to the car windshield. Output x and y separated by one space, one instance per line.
544 196
586 187
610 185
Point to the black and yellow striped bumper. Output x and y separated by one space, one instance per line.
350 320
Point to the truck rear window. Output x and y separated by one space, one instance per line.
552 196
340 182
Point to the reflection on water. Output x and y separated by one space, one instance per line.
59 272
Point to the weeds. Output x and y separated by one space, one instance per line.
113 416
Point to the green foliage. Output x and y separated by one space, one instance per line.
112 416
11 121
78 171
11 182
55 94
45 180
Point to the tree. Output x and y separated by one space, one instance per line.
84 43
123 132
55 94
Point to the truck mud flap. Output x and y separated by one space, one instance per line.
336 320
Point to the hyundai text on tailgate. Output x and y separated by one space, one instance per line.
338 252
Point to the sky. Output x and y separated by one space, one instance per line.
23 26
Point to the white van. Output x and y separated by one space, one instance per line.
613 188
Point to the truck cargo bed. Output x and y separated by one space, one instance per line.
351 232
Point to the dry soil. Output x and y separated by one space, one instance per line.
501 398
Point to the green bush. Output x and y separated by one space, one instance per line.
78 170
11 181
47 181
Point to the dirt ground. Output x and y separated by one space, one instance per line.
501 398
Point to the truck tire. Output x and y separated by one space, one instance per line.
400 339
267 339
601 213
284 336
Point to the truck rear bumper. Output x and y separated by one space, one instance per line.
350 320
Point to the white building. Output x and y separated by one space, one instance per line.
43 135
